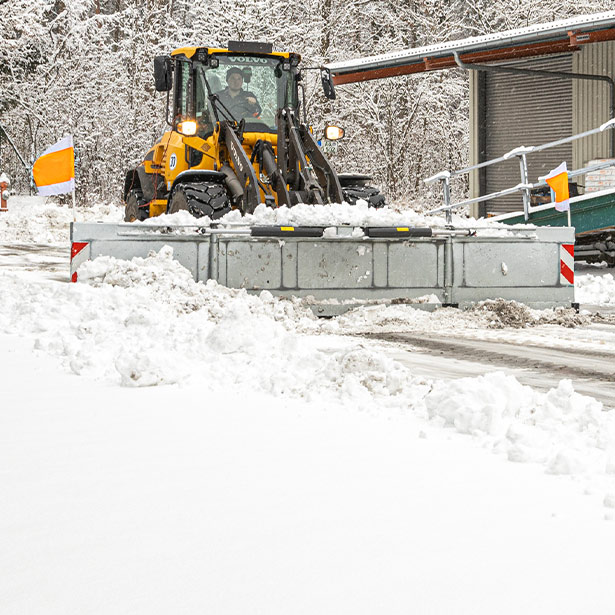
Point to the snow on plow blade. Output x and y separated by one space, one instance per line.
342 267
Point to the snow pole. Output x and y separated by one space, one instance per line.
54 170
557 180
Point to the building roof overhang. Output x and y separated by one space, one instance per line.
567 35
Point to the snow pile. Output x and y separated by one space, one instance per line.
146 322
501 313
402 318
595 289
334 214
181 218
492 314
40 220
165 281
329 215
565 432
358 215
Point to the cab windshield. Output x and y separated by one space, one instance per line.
251 88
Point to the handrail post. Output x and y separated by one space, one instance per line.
525 181
449 263
444 177
446 186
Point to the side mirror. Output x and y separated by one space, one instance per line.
163 73
327 83
334 133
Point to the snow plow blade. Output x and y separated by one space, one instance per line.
342 268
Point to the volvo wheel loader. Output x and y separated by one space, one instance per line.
236 138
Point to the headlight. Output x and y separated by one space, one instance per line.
5 195
334 133
187 128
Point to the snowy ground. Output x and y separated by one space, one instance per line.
167 446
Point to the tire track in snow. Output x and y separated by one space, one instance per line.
592 372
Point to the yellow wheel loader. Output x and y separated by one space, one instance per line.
235 138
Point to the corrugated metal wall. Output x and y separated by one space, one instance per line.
474 127
591 101
525 110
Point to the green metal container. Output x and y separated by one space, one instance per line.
589 213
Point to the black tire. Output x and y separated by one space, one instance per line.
200 199
133 210
368 193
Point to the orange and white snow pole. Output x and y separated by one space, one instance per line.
557 179
54 170
4 192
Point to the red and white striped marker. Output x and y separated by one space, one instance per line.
566 265
78 255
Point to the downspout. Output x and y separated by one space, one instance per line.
547 73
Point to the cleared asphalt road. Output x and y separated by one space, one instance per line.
592 373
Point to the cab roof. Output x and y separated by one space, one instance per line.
191 51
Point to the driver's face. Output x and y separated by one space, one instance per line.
235 81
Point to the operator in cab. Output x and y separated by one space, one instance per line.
239 102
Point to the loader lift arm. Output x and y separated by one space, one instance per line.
243 168
302 163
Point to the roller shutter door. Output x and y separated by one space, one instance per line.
525 110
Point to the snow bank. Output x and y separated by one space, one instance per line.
595 289
34 219
565 432
335 214
332 215
41 220
146 322
360 215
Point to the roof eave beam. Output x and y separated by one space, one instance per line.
572 43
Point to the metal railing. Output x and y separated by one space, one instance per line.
525 187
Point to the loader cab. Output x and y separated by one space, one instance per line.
206 87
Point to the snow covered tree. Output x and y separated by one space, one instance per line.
85 67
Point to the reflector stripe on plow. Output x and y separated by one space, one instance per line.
77 256
566 268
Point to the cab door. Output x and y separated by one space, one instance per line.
173 149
